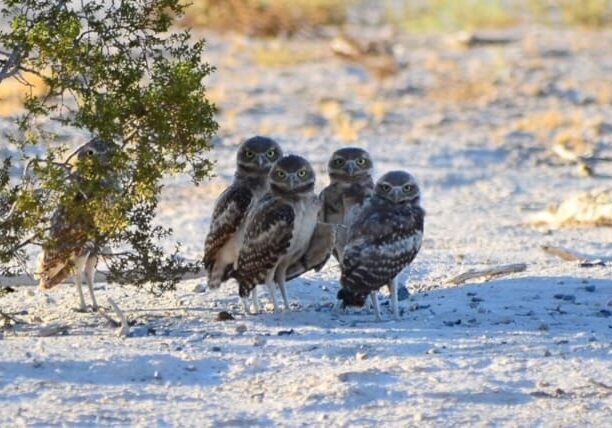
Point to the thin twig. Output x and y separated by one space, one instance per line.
125 328
562 253
488 273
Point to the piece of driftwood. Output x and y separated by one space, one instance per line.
488 273
52 330
125 327
470 40
108 318
572 256
562 253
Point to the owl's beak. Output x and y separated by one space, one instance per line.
293 181
261 160
351 168
397 193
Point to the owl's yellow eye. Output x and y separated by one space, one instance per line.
302 173
408 188
360 161
385 188
281 174
249 154
339 162
271 154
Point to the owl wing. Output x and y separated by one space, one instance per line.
318 251
331 204
268 236
56 263
380 246
230 211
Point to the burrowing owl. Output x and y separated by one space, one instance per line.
279 229
351 183
382 240
255 159
73 252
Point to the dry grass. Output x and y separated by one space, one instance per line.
453 15
463 91
586 13
13 93
265 17
279 54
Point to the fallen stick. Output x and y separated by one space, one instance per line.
9 317
488 273
52 330
562 253
108 318
125 327
572 256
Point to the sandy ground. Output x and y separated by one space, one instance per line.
478 127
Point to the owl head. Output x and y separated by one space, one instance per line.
350 164
398 187
98 149
351 298
292 175
257 155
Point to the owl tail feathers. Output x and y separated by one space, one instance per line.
52 271
218 276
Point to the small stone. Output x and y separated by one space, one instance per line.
285 332
224 316
604 313
543 327
241 328
590 288
547 353
259 341
200 288
402 293
360 356
215 349
477 299
433 351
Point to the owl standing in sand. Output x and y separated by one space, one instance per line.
255 159
73 252
382 240
279 229
351 183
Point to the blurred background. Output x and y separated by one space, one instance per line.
481 99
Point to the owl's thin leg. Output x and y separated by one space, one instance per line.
339 307
272 293
245 305
90 271
255 300
375 305
283 289
78 282
393 296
